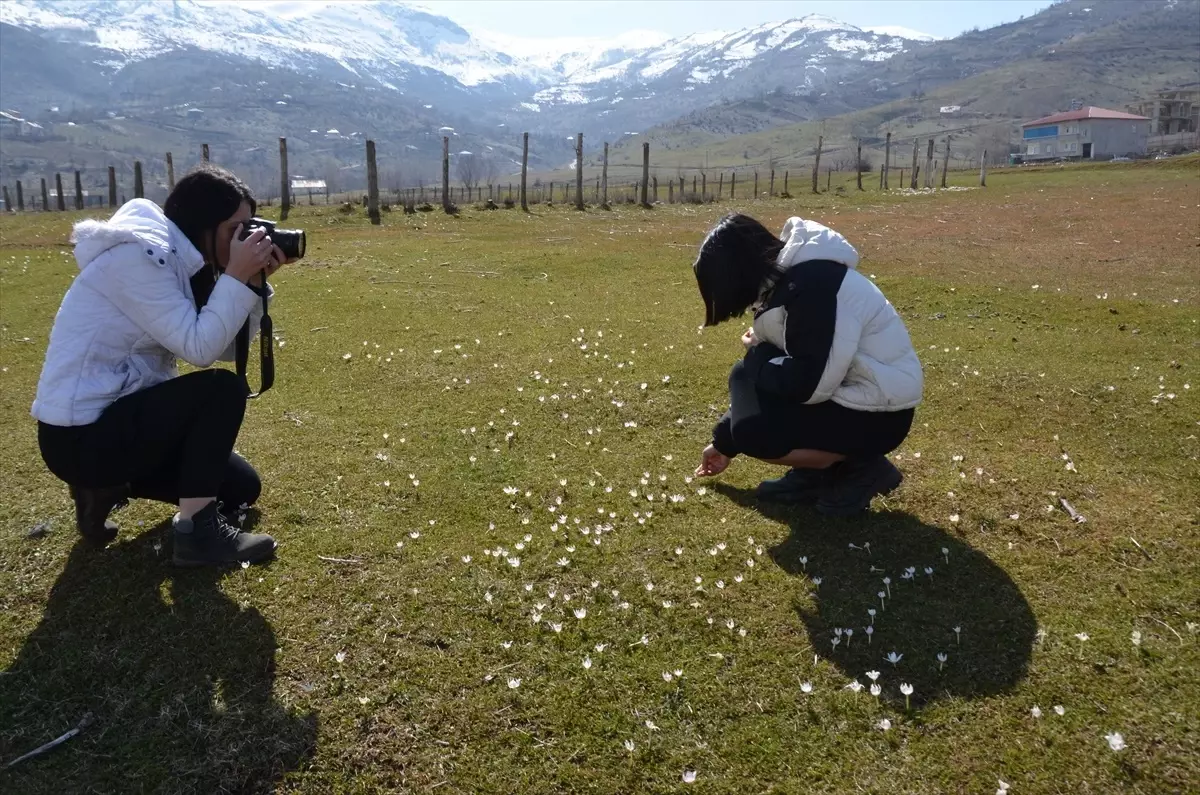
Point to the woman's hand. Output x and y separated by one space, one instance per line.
712 462
249 257
278 260
749 339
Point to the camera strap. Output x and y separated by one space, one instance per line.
266 347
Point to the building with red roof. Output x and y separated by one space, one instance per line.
1089 133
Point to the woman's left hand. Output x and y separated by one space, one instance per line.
749 339
712 462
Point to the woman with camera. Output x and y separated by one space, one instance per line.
115 418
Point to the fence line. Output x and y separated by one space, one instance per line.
643 190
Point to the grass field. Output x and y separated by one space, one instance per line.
477 458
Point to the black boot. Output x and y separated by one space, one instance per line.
208 539
856 483
92 507
796 486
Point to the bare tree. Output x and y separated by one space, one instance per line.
467 168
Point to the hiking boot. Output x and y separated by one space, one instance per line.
208 539
92 507
856 482
795 486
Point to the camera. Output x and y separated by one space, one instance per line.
290 241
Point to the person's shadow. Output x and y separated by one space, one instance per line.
989 655
176 676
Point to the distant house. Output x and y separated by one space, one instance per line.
1089 133
1171 112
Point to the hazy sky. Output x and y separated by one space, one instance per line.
539 18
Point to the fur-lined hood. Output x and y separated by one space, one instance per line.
138 221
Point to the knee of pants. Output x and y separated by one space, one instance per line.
736 372
242 485
226 386
754 437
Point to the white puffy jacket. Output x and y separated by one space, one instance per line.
130 313
844 341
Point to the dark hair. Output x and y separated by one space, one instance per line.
203 199
736 259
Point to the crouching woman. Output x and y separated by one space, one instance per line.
115 418
830 380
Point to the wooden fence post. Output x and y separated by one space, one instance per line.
946 162
579 171
655 188
929 165
785 182
446 173
372 185
45 196
882 170
285 187
887 161
671 191
204 152
78 192
828 178
20 197
733 185
755 185
62 202
524 172
8 208
902 177
139 191
645 171
604 179
982 170
550 193
703 185
817 162
694 178
596 193
916 154
720 184
771 190
858 165
170 173
112 186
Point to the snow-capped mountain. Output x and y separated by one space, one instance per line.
402 48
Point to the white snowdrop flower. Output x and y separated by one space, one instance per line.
414 534
946 554
817 581
563 562
650 725
742 631
387 484
730 623
1060 710
871 613
667 604
678 551
649 586
804 562
600 647
536 618
629 746
894 658
557 628
873 675
1115 741
806 687
941 658
884 724
1136 638
587 663
528 587
929 572
513 684
487 597
876 690
1083 636
514 562
954 518
580 613
737 578
870 630
667 676
1036 712
855 686
907 690
721 584
834 643
957 635
340 656
520 545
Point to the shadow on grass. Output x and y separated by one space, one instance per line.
967 590
178 676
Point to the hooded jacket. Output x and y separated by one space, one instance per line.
130 314
840 338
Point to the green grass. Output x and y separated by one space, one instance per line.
231 681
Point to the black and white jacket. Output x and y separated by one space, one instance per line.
841 338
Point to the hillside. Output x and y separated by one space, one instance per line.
1123 59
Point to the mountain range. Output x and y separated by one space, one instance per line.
111 81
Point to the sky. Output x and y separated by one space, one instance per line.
605 18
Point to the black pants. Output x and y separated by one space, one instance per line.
767 426
169 441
